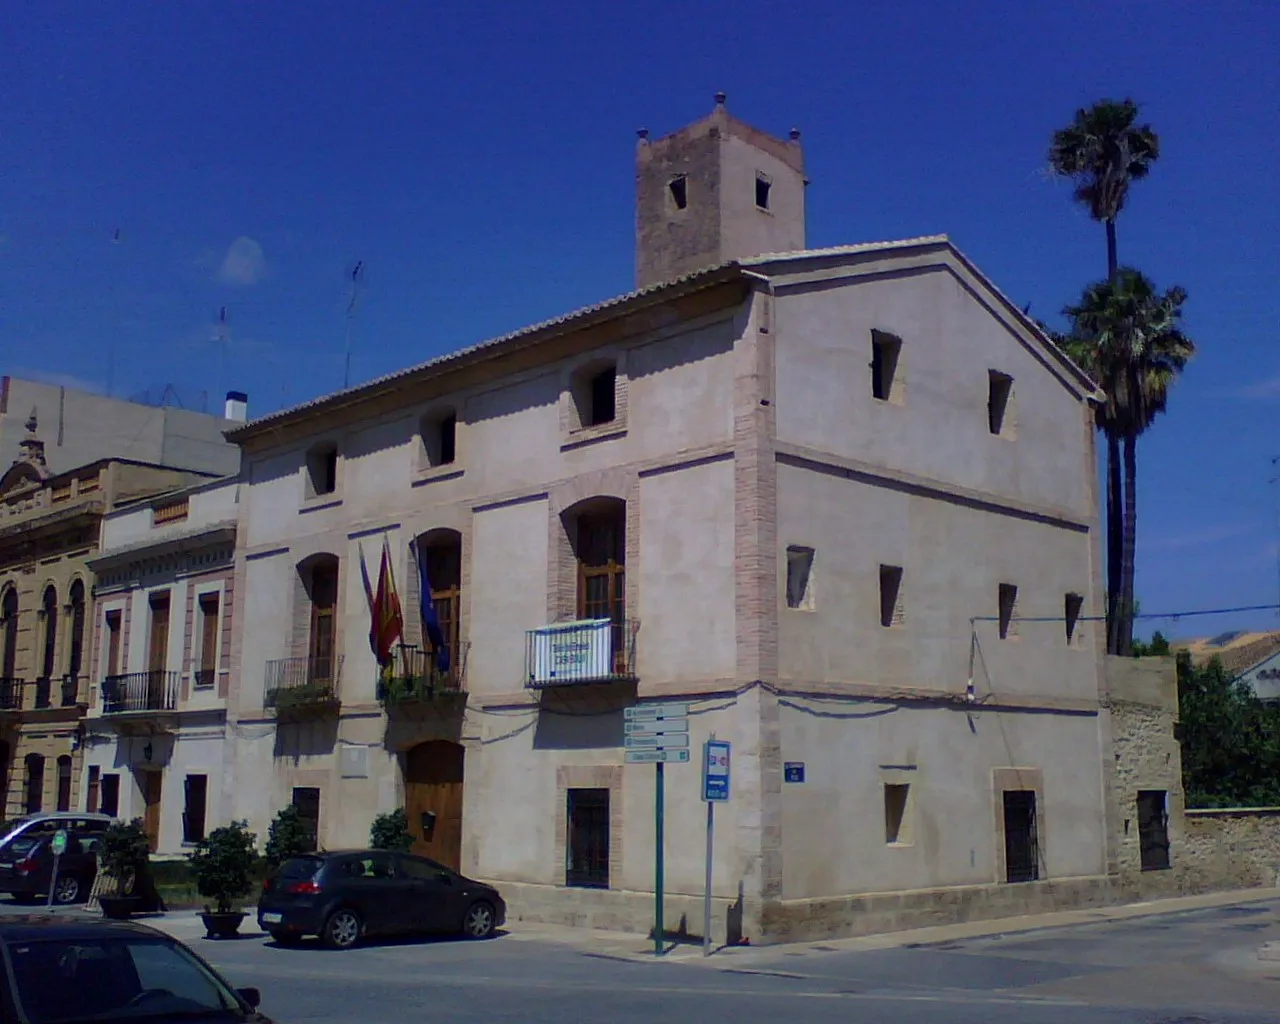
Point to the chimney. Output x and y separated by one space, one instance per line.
237 408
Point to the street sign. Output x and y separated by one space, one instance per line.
658 756
657 739
793 771
59 844
657 725
648 712
715 770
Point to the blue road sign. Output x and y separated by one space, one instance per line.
715 770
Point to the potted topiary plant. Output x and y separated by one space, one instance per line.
287 837
222 863
125 856
391 832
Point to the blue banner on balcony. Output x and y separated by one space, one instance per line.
571 652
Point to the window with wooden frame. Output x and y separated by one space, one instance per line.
158 644
64 782
113 642
94 787
193 813
444 572
207 674
76 662
322 589
601 552
9 609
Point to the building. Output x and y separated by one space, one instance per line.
80 427
1252 657
49 523
840 501
155 729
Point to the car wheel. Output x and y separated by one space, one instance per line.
342 930
67 890
480 921
286 938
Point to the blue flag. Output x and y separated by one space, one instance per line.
430 620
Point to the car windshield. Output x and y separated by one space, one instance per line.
116 978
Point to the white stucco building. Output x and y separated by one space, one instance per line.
841 501
156 725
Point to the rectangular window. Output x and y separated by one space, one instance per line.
999 391
604 403
113 643
94 788
197 789
448 439
322 470
1072 606
679 190
64 783
763 186
1153 829
1008 607
307 801
896 797
1021 846
587 857
323 640
158 656
110 794
885 349
207 674
800 578
891 611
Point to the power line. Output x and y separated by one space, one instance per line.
1141 615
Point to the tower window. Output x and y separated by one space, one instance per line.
999 390
762 192
679 189
885 349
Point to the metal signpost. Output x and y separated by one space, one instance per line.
59 847
656 734
715 788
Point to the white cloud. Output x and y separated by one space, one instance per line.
1268 387
1213 534
244 262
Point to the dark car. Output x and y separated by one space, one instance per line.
59 970
343 896
26 856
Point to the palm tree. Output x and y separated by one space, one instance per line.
1102 151
1129 337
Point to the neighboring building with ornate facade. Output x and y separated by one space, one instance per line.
49 524
155 730
841 501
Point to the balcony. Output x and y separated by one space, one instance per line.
11 693
414 679
56 693
140 693
579 653
302 687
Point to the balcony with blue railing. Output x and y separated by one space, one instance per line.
584 652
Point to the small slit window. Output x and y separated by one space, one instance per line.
800 578
1008 608
763 185
891 611
1072 606
999 393
885 349
896 797
322 470
678 189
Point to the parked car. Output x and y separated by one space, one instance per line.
344 896
26 856
65 970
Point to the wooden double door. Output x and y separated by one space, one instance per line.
433 779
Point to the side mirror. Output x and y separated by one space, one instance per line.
251 996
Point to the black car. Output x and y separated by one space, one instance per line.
343 896
26 856
59 970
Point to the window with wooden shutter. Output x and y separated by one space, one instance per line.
207 674
113 643
193 812
601 553
323 636
94 787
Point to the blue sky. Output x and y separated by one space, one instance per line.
478 158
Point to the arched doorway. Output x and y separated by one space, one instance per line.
433 774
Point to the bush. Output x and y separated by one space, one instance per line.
287 837
223 863
391 831
125 852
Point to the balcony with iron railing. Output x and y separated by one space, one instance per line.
414 677
581 653
298 687
11 693
140 693
56 693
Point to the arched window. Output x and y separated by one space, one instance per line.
49 608
440 568
35 784
9 613
64 782
76 663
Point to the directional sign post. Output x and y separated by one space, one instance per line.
715 788
58 846
657 734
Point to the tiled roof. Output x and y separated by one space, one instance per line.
1238 651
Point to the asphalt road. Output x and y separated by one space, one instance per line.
1197 967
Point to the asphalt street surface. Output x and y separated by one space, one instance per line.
1195 967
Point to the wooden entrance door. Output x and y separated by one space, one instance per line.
433 787
151 802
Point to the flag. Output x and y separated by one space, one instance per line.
388 619
430 620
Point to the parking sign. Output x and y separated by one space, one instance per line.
715 770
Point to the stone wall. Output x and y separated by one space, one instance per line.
1238 848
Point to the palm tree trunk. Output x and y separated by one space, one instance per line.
1130 539
1111 249
1115 543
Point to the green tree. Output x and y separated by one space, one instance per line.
223 863
1103 151
287 837
1158 647
1128 336
391 831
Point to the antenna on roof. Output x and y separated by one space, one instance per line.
357 279
222 338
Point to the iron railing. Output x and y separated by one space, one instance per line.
415 675
586 651
11 693
140 691
70 690
302 682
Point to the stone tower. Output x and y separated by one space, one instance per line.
714 191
